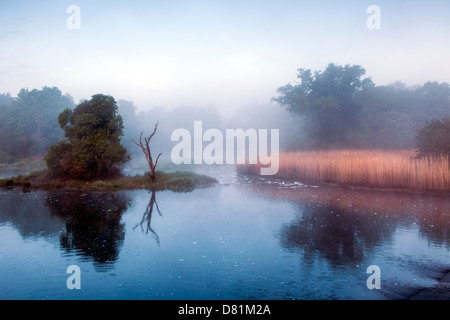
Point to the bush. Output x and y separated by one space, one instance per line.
433 138
58 159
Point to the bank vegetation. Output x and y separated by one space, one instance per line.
377 169
180 181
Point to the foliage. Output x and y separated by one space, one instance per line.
179 181
92 149
28 123
327 100
340 108
58 158
391 114
433 138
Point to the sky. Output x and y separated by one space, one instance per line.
229 54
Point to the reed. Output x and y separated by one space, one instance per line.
365 168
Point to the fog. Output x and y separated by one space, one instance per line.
221 63
267 116
230 54
378 117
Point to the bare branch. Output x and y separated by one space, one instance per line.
159 155
154 131
147 152
140 141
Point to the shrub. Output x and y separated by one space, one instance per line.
433 138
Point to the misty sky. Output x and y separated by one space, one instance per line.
224 53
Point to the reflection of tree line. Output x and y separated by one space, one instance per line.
436 227
345 236
341 236
343 225
93 222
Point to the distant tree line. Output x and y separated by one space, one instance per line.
340 107
29 122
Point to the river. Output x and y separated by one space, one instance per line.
245 238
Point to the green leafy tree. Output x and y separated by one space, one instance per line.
92 150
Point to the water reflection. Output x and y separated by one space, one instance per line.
343 237
93 224
243 240
372 216
28 214
147 216
436 228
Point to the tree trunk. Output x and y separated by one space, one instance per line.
147 152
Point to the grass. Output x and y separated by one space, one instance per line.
181 181
365 168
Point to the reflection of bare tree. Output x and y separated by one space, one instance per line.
147 217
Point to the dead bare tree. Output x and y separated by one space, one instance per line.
148 155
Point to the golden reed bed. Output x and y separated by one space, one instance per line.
367 168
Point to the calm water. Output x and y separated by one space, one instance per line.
242 239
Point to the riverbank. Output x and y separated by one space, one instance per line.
177 181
